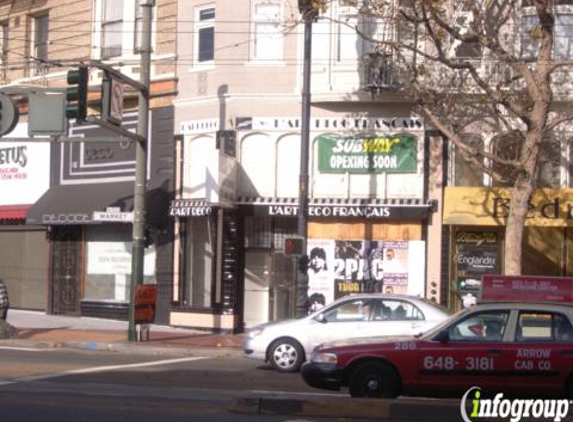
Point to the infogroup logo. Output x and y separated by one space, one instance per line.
514 409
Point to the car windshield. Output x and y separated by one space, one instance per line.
432 332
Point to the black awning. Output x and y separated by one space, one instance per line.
375 208
75 204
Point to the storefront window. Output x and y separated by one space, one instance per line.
108 274
542 251
477 252
200 262
258 232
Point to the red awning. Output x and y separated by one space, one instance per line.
13 212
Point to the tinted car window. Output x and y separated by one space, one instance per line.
397 310
485 326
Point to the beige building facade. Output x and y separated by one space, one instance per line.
238 121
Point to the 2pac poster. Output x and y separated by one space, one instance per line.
341 267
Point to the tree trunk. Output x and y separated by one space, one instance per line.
514 229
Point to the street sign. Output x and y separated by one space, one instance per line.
9 114
112 99
144 301
113 216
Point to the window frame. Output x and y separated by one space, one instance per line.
563 8
202 24
263 19
5 39
130 19
37 43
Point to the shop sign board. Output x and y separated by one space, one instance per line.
114 216
527 288
144 303
490 207
386 153
353 211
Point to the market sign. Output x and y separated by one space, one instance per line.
388 153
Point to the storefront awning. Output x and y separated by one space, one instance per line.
13 212
190 208
75 204
388 209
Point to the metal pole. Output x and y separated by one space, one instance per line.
139 195
302 215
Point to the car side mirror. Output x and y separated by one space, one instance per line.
443 336
320 318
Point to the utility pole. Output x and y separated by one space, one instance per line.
140 191
309 14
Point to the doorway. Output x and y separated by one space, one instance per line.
257 287
66 269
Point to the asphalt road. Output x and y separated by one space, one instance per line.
72 385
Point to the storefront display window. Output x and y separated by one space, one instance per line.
476 254
200 262
109 263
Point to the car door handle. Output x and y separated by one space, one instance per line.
567 352
494 351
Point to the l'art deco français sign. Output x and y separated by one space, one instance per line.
367 154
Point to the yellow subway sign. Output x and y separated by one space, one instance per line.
396 153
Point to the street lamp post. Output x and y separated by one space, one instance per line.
309 14
140 190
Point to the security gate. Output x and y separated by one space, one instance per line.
66 265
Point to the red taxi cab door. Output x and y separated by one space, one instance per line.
468 352
540 355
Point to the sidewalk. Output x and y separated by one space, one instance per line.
37 329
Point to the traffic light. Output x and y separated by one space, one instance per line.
294 246
8 114
77 94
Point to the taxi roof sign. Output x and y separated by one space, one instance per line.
520 288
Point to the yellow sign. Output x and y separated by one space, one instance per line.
490 207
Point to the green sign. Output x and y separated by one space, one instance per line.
367 154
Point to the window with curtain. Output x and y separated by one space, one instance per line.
268 38
41 37
206 35
112 28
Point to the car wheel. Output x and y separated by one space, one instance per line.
286 355
374 379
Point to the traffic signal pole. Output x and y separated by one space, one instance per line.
302 304
140 190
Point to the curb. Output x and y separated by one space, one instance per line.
379 409
139 348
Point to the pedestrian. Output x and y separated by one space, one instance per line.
4 301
